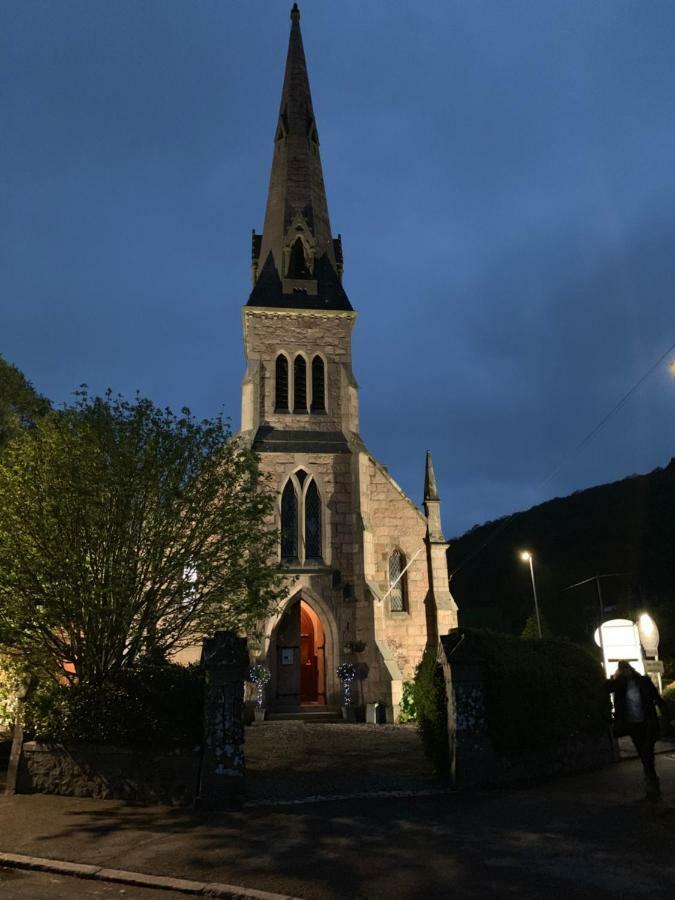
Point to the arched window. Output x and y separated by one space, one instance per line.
289 522
318 385
312 522
281 384
397 582
300 384
297 264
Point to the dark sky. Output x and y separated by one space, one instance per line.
502 174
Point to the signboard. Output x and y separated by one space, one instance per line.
286 656
620 640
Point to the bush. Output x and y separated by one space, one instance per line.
538 692
430 701
669 697
152 705
407 709
10 683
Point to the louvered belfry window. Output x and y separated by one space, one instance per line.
289 523
312 522
397 593
281 384
300 384
318 385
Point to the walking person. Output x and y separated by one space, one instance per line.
635 702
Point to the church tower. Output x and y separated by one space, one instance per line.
368 581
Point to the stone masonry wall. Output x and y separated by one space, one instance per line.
109 773
328 334
392 522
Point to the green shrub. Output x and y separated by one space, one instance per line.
538 692
152 705
432 713
407 709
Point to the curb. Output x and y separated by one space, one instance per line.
137 879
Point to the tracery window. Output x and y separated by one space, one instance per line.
397 582
301 529
289 522
318 385
300 385
281 384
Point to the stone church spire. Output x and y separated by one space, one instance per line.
296 261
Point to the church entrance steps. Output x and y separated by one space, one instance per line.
308 714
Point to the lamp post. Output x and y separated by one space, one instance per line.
526 556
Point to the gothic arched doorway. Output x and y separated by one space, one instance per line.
299 658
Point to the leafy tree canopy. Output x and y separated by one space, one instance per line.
20 404
127 531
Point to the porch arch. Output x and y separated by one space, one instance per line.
331 636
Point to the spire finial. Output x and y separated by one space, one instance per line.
295 13
430 489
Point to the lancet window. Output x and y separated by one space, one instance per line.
301 513
297 264
299 385
289 522
398 589
281 384
318 385
312 522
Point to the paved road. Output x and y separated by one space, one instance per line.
17 884
586 836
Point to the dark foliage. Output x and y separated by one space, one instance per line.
538 692
153 705
430 701
20 404
668 720
626 527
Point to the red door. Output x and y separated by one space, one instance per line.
309 672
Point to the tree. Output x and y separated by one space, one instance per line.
20 404
530 630
127 531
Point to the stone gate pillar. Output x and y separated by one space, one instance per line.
225 660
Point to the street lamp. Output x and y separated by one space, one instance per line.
526 556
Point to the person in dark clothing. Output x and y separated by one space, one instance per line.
635 702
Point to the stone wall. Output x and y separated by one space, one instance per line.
109 773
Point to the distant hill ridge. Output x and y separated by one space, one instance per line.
627 526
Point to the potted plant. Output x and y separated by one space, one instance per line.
259 675
346 673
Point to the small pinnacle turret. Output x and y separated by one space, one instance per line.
296 262
430 489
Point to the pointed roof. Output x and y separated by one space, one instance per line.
288 274
430 489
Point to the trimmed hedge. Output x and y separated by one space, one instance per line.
538 692
669 696
432 712
151 706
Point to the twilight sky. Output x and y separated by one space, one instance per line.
501 172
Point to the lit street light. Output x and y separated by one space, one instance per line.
526 556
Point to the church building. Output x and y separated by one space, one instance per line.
370 581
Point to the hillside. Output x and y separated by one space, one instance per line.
625 527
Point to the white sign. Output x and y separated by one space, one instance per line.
620 640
